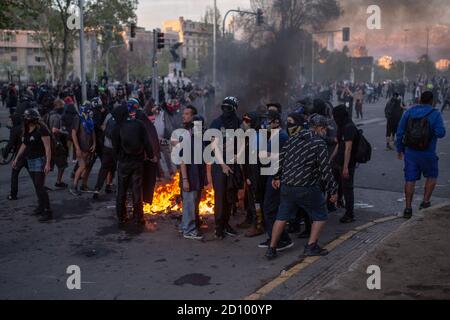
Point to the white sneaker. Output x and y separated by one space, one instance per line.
193 236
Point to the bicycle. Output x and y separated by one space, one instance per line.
6 157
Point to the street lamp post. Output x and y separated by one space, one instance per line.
82 66
404 62
215 45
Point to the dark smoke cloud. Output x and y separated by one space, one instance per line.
398 15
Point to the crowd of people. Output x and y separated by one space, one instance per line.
130 135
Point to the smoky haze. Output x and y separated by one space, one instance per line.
396 16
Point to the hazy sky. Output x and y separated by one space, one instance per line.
152 13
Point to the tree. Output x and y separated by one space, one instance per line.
48 18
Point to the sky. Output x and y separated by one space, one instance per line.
152 13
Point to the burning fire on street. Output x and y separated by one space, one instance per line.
386 62
167 199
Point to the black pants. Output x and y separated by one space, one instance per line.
129 177
270 209
21 163
149 180
347 186
222 206
41 192
109 165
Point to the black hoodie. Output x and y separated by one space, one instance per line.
129 138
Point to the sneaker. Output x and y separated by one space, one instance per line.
11 197
425 205
96 195
193 236
108 189
284 245
304 235
61 185
313 250
230 231
75 191
347 219
271 253
407 214
264 244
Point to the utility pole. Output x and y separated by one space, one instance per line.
155 89
82 66
215 46
428 50
404 62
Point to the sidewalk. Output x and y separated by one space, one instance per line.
414 263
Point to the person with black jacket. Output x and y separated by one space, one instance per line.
393 112
36 150
226 178
131 145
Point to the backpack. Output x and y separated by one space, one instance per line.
110 127
363 152
418 133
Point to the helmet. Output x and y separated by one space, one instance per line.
86 107
31 115
231 101
133 105
97 103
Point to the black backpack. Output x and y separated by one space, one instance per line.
110 124
418 133
363 152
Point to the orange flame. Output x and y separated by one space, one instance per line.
386 62
167 199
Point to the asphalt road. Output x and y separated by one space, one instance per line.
160 264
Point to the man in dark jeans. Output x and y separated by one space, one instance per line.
131 145
344 158
223 175
15 140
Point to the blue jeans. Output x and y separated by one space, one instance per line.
188 224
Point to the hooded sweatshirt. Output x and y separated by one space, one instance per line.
304 163
129 138
436 124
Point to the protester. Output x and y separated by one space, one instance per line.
304 169
131 145
393 112
36 149
344 158
417 135
193 179
84 140
150 171
227 179
295 123
60 151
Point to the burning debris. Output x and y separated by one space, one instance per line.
167 199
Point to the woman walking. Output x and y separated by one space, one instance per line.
36 151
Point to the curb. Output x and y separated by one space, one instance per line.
285 275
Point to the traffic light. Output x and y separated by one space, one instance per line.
133 30
160 41
346 34
259 17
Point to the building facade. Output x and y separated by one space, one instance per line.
196 37
21 56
